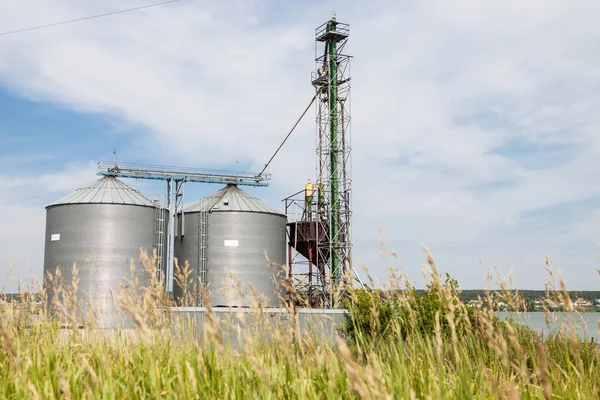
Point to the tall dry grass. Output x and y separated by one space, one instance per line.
396 345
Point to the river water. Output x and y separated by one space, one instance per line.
586 323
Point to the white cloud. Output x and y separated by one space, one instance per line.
44 186
438 88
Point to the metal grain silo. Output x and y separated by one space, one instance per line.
112 221
232 230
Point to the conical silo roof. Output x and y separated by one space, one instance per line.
107 190
231 198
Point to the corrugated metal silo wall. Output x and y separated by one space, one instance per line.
238 241
114 233
187 249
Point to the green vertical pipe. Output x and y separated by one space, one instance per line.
333 127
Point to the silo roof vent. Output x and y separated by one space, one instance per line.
107 190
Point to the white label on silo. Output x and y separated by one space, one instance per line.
55 237
231 243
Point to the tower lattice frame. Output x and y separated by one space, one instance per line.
323 232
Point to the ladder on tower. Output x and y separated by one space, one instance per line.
159 239
202 248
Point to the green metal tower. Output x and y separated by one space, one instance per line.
332 84
319 235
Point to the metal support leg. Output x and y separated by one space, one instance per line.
310 272
171 237
179 187
290 271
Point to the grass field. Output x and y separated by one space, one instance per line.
396 345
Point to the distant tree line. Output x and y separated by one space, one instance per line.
530 297
589 295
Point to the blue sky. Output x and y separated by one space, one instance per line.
474 123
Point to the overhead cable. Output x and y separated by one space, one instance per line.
86 18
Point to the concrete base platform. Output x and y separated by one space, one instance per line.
238 325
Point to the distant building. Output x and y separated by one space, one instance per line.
582 303
474 303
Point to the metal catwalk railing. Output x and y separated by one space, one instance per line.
161 172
